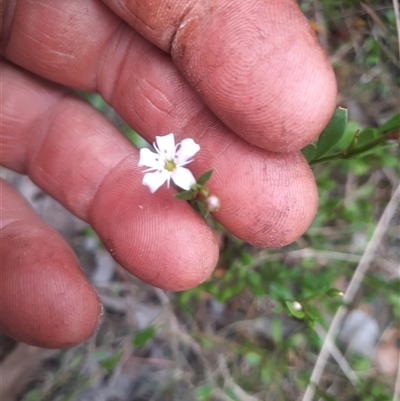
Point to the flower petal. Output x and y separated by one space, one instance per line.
185 151
166 146
154 180
183 178
150 159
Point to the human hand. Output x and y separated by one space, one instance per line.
244 79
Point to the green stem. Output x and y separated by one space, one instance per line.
355 152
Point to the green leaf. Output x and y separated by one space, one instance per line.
279 291
184 195
226 294
202 209
204 392
333 132
296 313
310 316
255 284
334 293
204 177
367 135
253 358
390 125
309 152
33 395
111 362
353 144
246 258
141 337
276 331
76 361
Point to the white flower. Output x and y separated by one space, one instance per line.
168 162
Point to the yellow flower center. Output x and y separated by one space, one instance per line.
169 165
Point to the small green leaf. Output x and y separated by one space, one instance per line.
353 143
253 358
255 284
206 342
141 337
246 258
33 395
202 209
309 152
184 195
204 177
88 231
76 361
296 313
390 125
226 294
334 293
310 316
276 331
367 135
332 133
279 291
204 392
111 362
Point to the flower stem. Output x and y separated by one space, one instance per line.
355 152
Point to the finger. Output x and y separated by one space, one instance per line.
45 299
145 88
79 158
257 64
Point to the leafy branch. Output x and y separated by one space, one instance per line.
363 142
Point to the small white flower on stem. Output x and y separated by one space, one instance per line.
168 162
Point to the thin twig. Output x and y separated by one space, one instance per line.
338 356
351 291
396 396
320 20
307 253
397 15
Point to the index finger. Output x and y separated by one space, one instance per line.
257 64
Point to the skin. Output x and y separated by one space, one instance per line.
248 86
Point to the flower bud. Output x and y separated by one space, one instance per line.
212 203
297 306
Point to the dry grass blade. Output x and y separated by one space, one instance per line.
397 15
338 356
351 291
18 368
396 396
